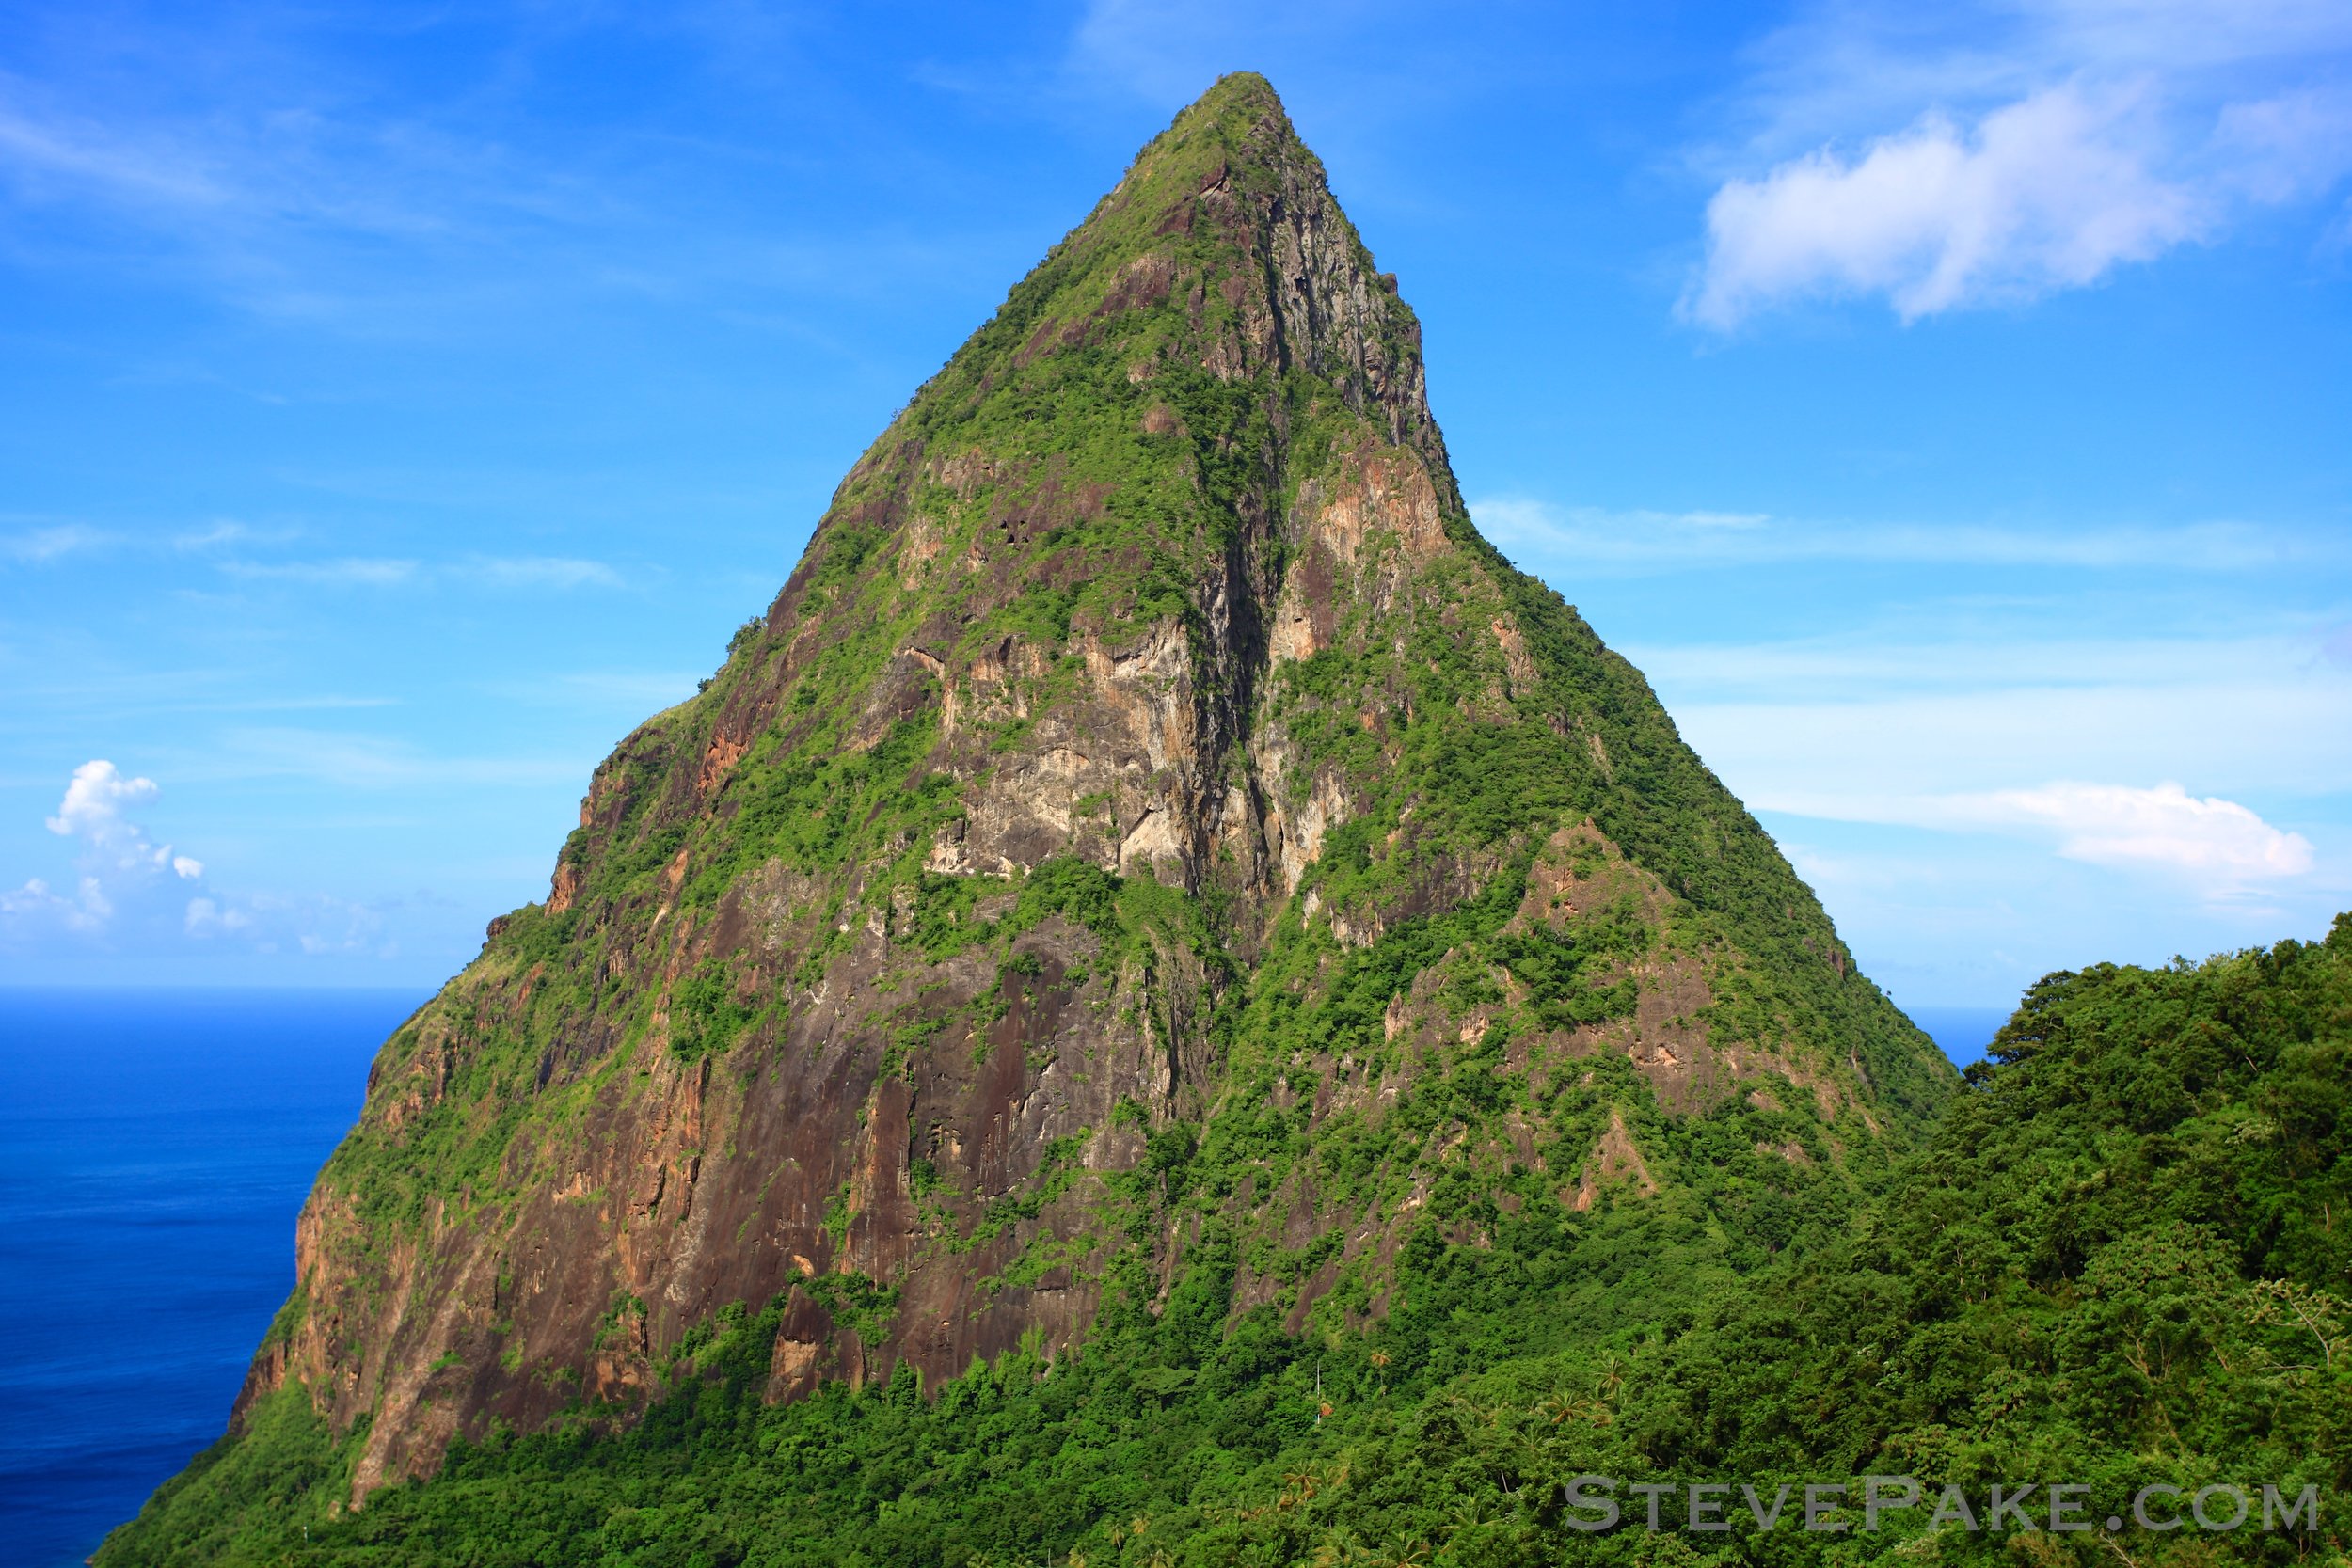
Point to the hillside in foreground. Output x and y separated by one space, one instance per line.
2119 1261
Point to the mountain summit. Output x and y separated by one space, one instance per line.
1151 839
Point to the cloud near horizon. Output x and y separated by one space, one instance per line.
127 886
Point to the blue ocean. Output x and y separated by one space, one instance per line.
1964 1033
154 1149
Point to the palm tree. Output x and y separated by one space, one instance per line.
1463 1515
1486 1414
1562 1405
1610 1385
1338 1551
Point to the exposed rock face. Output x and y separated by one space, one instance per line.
1147 784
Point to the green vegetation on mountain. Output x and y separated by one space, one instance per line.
2120 1261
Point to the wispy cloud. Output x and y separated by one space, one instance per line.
1169 50
372 762
222 533
1920 661
47 544
645 690
40 546
560 572
273 164
345 572
277 148
294 166
555 573
2271 733
2014 150
57 150
1542 531
315 925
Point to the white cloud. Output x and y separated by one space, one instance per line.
94 800
2019 149
2218 844
318 925
2165 826
205 918
133 894
118 865
34 905
92 811
2047 193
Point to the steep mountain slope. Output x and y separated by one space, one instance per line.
1151 826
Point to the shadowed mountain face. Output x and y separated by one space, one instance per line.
1149 810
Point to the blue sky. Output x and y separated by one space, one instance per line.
399 402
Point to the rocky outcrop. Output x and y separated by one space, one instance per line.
1149 809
